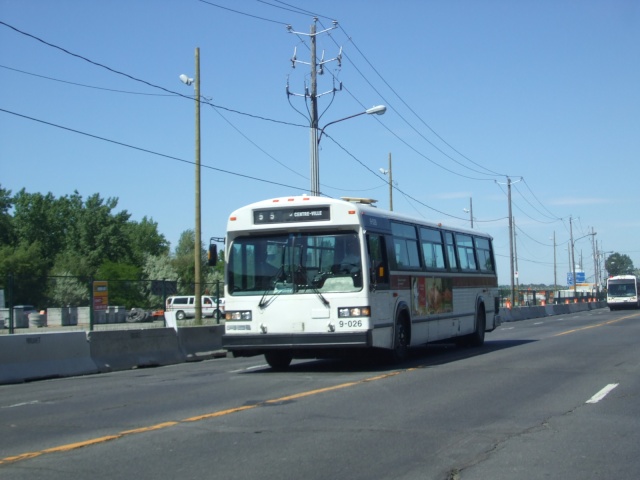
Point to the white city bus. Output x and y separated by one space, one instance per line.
622 292
311 277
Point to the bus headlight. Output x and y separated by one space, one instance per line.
238 315
348 312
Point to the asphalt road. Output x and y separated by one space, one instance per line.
524 406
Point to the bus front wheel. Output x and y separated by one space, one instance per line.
278 360
401 342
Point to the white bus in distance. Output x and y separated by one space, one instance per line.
622 292
312 277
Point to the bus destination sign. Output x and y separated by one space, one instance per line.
291 215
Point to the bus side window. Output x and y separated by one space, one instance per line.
451 251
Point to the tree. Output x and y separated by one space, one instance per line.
41 236
68 290
7 236
145 239
40 218
183 262
159 268
618 264
125 286
24 270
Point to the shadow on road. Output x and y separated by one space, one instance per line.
367 361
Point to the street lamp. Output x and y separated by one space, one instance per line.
573 259
469 211
198 240
390 173
315 167
555 270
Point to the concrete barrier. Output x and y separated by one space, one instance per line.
525 313
47 355
124 349
199 343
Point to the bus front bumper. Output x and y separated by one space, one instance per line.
258 344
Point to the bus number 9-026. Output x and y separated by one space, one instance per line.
350 323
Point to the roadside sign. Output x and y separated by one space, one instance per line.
100 295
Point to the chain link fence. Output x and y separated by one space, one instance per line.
70 302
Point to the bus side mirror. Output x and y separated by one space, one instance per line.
212 255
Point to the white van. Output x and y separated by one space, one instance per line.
184 306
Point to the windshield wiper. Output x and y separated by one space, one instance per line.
272 284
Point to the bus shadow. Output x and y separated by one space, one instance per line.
420 357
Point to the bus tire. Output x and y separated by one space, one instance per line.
401 341
476 339
278 360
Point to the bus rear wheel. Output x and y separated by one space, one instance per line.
278 360
476 339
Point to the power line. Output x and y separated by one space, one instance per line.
83 85
243 13
131 77
145 150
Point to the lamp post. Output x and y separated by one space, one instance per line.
573 257
555 270
390 173
315 167
469 211
198 236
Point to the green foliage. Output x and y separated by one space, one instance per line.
125 285
619 264
41 235
7 236
24 270
67 290
158 267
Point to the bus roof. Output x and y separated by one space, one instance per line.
314 211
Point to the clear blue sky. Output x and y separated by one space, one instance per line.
546 92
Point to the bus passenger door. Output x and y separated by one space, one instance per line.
382 302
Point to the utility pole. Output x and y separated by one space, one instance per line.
555 269
390 185
513 293
596 273
315 166
312 95
471 211
198 235
515 256
573 258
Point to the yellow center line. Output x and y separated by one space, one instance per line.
609 322
99 440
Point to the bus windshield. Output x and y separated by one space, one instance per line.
622 288
295 263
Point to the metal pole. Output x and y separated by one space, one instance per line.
198 235
315 162
471 211
573 259
595 261
513 293
555 270
390 185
